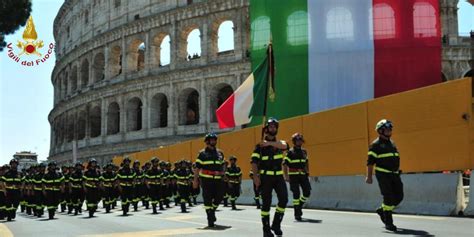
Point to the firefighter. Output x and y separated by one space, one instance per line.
28 190
92 186
188 164
146 192
164 186
64 196
267 160
13 182
108 180
39 199
257 196
226 188
209 174
153 181
296 166
125 180
234 179
182 181
173 186
384 155
3 201
76 182
53 186
138 184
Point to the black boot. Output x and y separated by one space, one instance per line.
51 214
267 232
298 212
28 210
22 207
225 202
195 201
147 205
233 205
257 201
161 206
2 215
154 208
190 203
381 215
76 211
276 225
69 209
211 218
63 208
107 208
91 213
183 207
389 221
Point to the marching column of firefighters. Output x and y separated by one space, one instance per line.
157 184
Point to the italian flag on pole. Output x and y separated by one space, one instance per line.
332 53
250 98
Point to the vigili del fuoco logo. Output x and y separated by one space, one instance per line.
30 46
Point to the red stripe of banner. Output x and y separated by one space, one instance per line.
225 113
407 45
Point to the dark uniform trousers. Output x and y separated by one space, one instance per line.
391 187
297 181
212 192
53 198
39 202
268 184
92 198
3 205
12 201
126 197
77 197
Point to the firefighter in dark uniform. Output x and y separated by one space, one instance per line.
146 192
116 192
182 177
125 179
153 181
267 160
138 184
64 195
3 204
53 185
226 188
108 179
189 166
384 155
257 196
210 172
76 182
296 166
92 186
39 199
23 189
28 190
234 179
164 186
13 182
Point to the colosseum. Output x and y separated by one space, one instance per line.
125 79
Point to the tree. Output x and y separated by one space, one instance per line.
13 14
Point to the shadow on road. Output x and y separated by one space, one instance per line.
420 233
216 227
307 220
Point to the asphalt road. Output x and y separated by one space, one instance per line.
244 222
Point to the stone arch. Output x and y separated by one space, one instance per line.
191 47
95 118
189 107
98 67
81 125
84 73
159 111
115 61
134 114
219 94
224 36
162 49
113 118
70 128
136 55
73 79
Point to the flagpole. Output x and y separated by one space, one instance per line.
269 76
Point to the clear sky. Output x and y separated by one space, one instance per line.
26 93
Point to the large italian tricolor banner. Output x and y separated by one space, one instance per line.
331 53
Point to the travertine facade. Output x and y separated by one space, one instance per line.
114 93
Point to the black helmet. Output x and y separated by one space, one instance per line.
13 161
126 158
233 158
136 162
52 163
92 160
155 160
297 136
209 136
272 120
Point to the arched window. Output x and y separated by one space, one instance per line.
84 73
141 57
383 17
339 24
81 125
424 20
98 67
159 111
113 119
189 107
165 51
225 36
219 95
95 121
193 47
297 28
134 114
74 79
115 62
260 29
